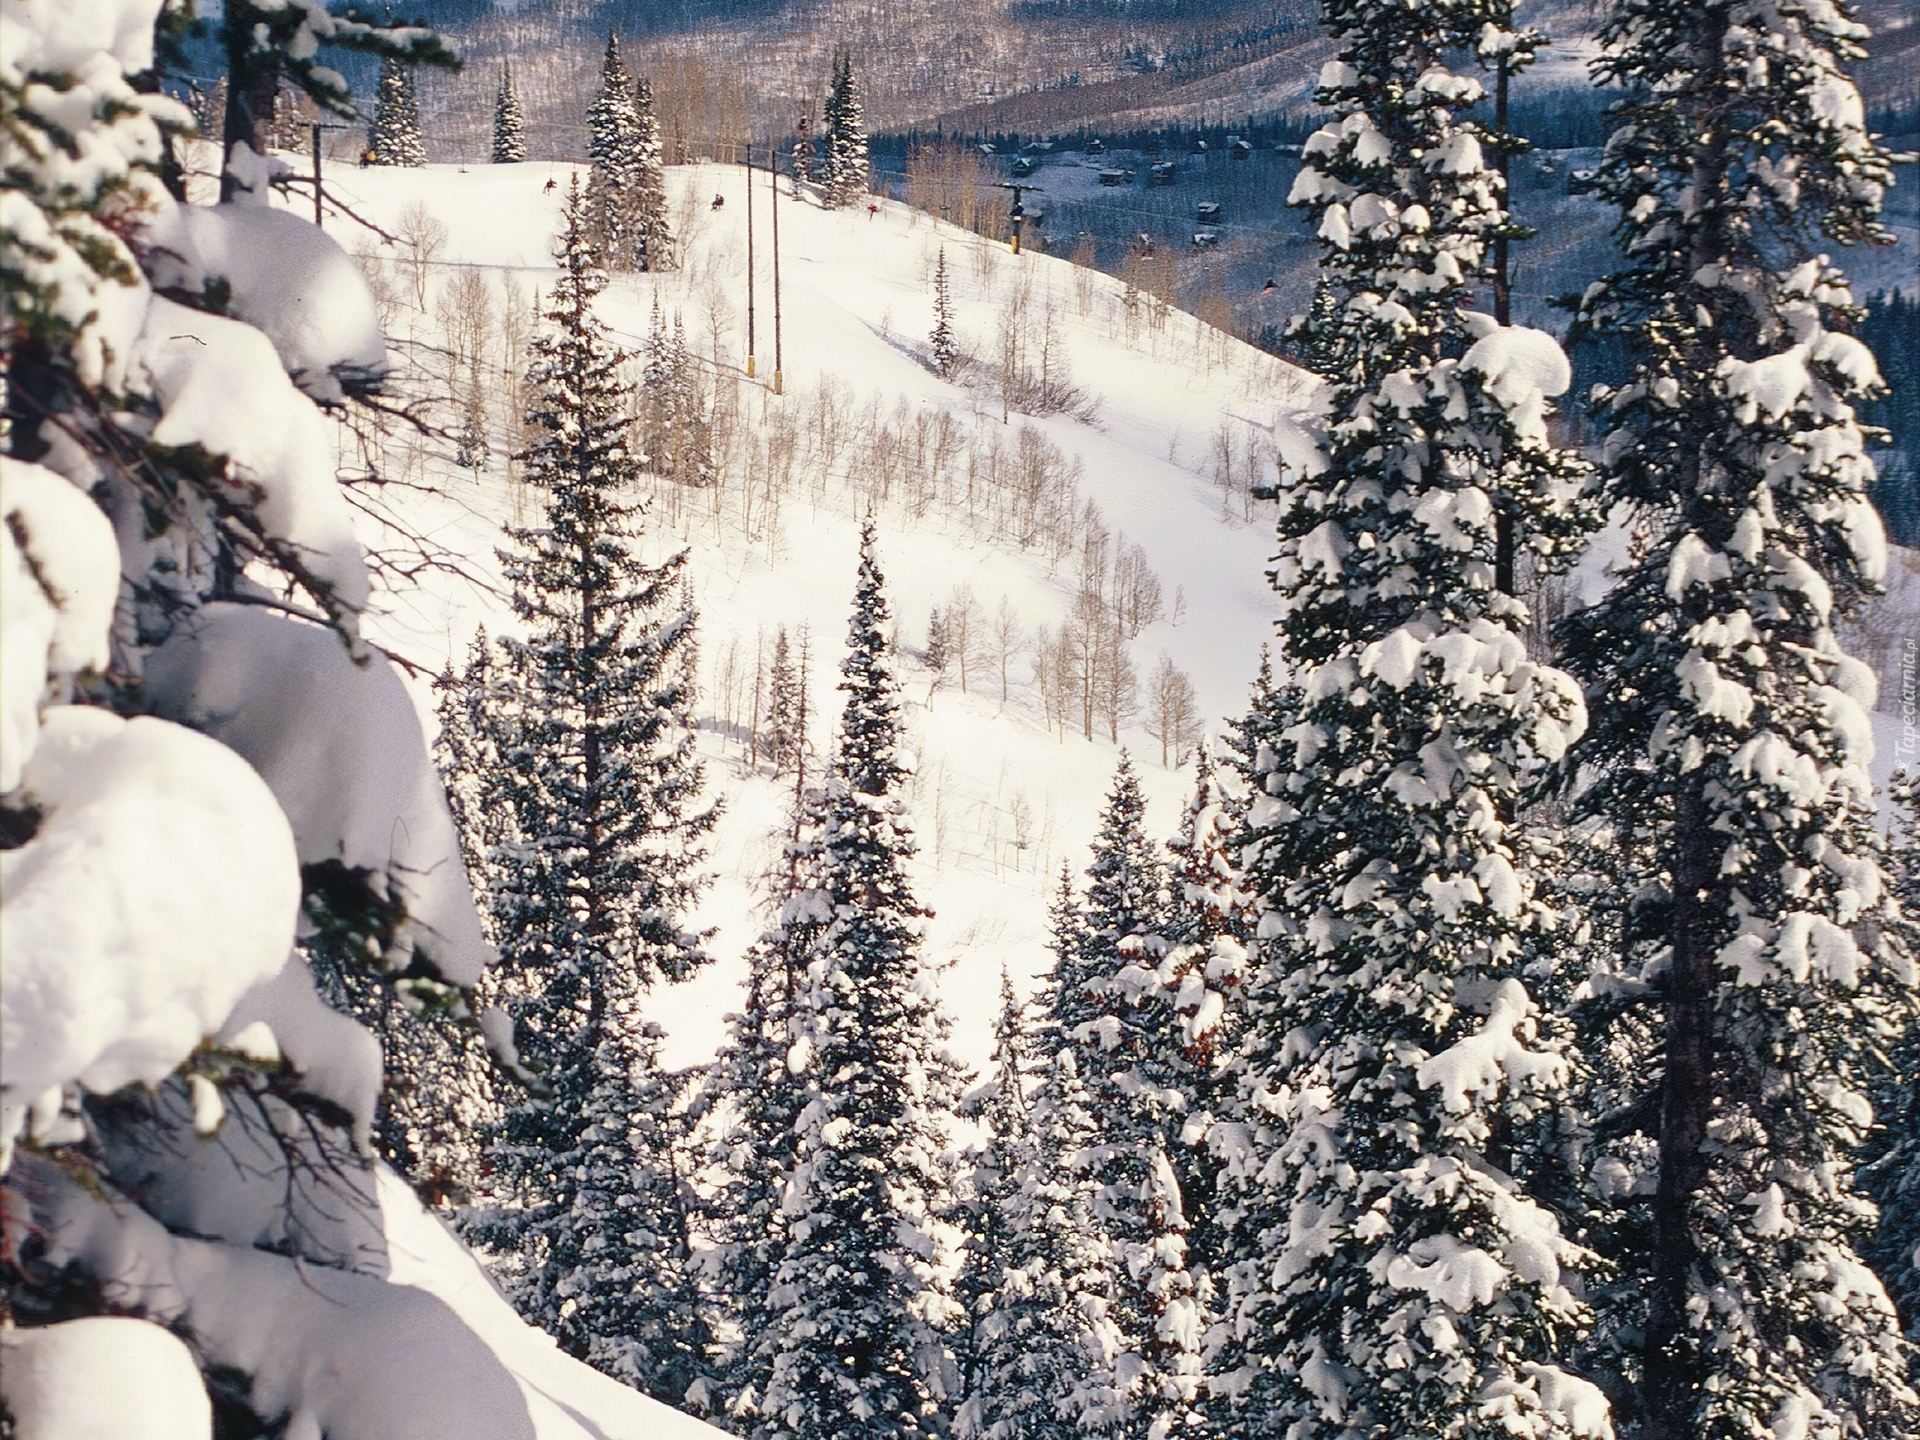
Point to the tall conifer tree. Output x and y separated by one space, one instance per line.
946 345
843 163
588 1223
1040 1345
394 137
859 1340
509 123
1403 1281
1125 1035
1730 729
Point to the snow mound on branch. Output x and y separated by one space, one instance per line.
289 279
1521 368
1477 1066
341 747
1452 1274
160 885
57 38
51 1377
338 1059
220 385
59 577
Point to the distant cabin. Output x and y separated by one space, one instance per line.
1164 173
1023 166
1113 177
1206 239
1238 149
1207 212
1094 147
1583 182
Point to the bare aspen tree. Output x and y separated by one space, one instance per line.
422 236
1006 634
1175 711
1117 684
965 630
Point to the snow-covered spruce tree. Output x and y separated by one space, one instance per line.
610 118
653 249
394 137
1038 1355
1041 1341
624 143
604 785
1404 1281
677 432
785 735
692 447
1204 974
754 1093
1894 1176
1730 730
612 144
945 344
859 1347
843 163
509 123
1127 1040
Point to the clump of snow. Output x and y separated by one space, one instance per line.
59 578
1478 1065
1451 1274
338 1059
1694 562
220 385
50 1378
1521 368
340 745
53 39
288 278
161 883
1579 1405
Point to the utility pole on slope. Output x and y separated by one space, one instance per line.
749 155
773 181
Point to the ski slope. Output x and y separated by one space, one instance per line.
856 308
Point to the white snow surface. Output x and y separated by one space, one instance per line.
566 1399
340 745
220 385
288 278
159 885
50 1379
857 307
59 578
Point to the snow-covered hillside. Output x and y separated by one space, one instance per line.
1000 799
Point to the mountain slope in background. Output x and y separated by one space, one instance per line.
1183 418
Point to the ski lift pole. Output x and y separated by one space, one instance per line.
1019 211
749 162
773 181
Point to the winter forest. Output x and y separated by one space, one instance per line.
659 781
